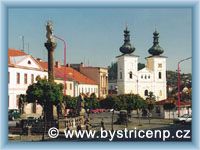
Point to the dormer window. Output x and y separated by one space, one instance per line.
29 62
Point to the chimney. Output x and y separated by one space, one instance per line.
57 65
38 59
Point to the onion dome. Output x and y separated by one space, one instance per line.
155 50
126 48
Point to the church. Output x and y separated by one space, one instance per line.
152 78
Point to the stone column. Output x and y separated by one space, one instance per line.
50 46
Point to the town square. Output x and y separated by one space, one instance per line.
108 70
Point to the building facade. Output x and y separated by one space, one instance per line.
152 78
22 71
97 74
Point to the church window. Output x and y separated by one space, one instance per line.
29 62
159 65
131 75
159 75
149 76
141 76
146 93
120 75
145 76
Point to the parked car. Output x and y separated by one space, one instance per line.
13 114
184 119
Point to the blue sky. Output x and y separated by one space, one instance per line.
94 35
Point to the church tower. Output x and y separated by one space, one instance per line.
157 64
127 64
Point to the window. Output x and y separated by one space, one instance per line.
32 78
18 78
145 76
159 75
131 75
25 78
70 86
146 93
149 76
160 93
8 77
29 62
111 87
141 76
82 90
159 65
120 75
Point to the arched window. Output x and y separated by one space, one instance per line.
141 76
145 76
130 75
146 93
149 76
159 75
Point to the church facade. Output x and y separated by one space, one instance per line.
152 78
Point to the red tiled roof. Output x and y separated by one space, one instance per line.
70 74
183 103
14 52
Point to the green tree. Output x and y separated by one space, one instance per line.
150 104
111 102
139 104
91 103
46 94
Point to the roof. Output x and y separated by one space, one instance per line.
145 69
14 52
16 56
70 74
183 103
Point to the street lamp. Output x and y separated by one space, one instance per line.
65 46
179 95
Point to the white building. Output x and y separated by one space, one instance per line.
22 71
152 78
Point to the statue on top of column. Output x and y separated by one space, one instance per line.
49 34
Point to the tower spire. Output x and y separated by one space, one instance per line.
126 48
156 49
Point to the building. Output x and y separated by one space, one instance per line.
152 78
76 82
22 71
97 74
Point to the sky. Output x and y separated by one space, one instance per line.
94 35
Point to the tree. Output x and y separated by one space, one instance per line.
70 103
139 103
46 94
91 103
150 104
111 102
169 106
